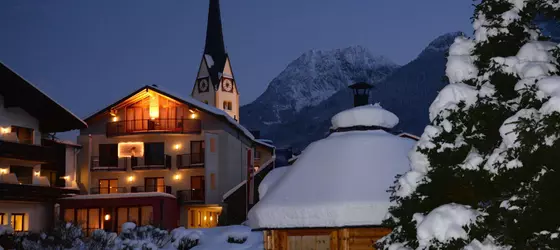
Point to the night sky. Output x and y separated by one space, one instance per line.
88 54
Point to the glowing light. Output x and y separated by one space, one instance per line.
130 178
5 130
193 116
107 217
154 107
115 119
177 146
65 177
204 217
177 177
3 171
37 173
211 218
130 149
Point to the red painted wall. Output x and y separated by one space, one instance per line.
165 209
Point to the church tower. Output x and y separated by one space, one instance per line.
215 84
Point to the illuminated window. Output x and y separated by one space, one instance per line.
3 219
69 215
108 186
89 219
24 135
140 215
18 222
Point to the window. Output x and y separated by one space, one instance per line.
18 222
89 219
24 174
24 135
213 181
155 184
227 105
197 188
108 186
51 175
213 145
142 214
108 155
3 219
69 215
257 155
154 153
197 152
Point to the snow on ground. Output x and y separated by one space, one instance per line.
338 181
368 115
270 180
217 238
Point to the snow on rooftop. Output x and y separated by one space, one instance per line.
270 180
338 181
368 115
209 60
266 143
118 196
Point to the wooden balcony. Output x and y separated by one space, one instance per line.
190 196
130 127
107 190
26 152
137 163
119 165
142 189
190 161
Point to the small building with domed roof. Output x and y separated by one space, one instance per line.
335 195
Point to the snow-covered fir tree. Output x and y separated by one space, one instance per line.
486 171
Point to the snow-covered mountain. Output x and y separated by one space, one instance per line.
312 78
291 113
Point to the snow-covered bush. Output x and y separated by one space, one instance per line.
62 236
148 237
101 240
184 239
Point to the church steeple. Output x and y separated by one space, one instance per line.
215 84
214 36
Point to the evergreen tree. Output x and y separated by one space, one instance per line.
486 172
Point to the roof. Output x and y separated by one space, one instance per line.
408 135
266 143
362 164
361 85
188 100
214 46
52 116
65 142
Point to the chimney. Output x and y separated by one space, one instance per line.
361 93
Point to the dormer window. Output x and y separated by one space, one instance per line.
227 105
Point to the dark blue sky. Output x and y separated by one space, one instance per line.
87 54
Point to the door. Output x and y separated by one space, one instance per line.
108 186
197 152
156 184
197 188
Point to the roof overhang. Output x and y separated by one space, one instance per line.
52 116
318 228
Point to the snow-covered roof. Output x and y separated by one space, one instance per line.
367 115
118 196
337 181
271 179
264 142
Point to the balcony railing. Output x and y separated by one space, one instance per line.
159 188
107 190
28 152
119 165
141 163
127 127
190 196
190 160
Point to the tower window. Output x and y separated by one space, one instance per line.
227 105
